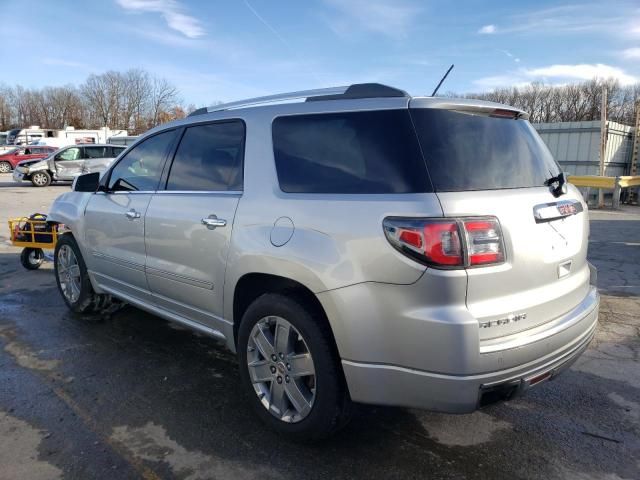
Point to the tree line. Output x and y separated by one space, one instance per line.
569 103
133 100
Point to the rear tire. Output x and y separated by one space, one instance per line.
325 390
31 258
73 281
5 167
41 179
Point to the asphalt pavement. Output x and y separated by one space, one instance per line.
132 396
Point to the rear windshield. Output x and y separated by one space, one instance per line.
476 152
349 152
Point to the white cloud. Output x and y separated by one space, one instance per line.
583 71
386 17
487 29
63 63
555 74
171 11
631 53
589 18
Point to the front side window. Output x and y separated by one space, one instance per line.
349 152
72 153
209 158
141 168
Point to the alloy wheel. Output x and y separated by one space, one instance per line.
281 369
5 167
39 179
68 272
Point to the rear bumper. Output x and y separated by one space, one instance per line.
434 359
393 385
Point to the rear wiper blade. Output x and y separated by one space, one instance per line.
557 184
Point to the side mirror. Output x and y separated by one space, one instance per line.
88 182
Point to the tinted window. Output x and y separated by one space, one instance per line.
95 152
477 152
209 158
115 151
349 152
140 169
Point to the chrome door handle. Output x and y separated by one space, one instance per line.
132 214
212 222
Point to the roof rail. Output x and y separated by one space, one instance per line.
359 90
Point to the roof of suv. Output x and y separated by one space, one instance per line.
362 96
362 91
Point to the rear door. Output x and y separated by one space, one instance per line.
486 164
188 224
96 158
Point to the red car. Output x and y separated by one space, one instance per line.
10 159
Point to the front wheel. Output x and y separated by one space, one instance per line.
5 167
290 368
31 258
40 179
73 279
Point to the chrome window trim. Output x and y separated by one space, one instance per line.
173 192
200 192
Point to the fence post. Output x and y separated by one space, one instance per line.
617 190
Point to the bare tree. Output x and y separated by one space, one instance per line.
163 96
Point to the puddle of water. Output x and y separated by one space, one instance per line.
19 444
151 443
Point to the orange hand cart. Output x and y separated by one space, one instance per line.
35 234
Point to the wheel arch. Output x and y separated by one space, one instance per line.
252 285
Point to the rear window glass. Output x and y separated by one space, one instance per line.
477 152
349 152
209 158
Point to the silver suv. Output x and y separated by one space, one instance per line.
358 246
67 163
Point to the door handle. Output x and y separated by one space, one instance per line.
132 214
212 221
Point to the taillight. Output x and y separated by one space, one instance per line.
447 243
484 242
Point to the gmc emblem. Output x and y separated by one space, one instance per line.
567 209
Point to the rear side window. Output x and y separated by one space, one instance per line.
115 151
478 152
95 152
349 152
209 158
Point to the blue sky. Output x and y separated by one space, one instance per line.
221 50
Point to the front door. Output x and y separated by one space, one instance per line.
115 219
69 163
188 225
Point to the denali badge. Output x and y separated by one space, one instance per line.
511 318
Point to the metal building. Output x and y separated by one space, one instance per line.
576 146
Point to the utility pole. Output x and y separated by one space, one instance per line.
603 142
635 154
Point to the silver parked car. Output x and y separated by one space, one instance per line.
361 245
67 163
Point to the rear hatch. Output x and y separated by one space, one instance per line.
489 161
